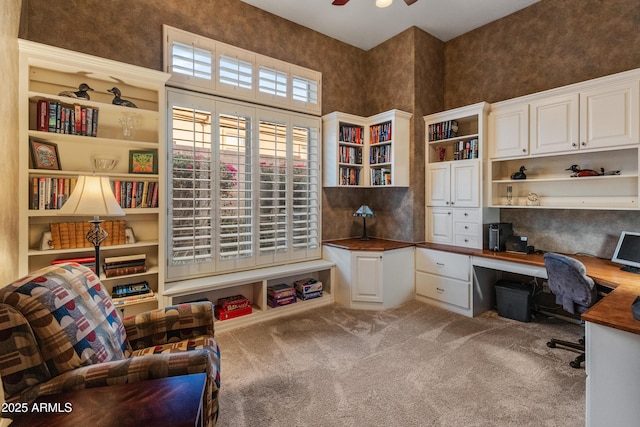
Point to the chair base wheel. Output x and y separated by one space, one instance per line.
551 344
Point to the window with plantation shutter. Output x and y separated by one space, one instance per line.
235 72
305 189
304 90
243 184
209 66
191 61
272 82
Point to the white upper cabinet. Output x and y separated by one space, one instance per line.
509 130
609 115
554 124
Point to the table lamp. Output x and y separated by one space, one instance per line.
365 212
93 196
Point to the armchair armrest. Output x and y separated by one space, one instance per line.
170 324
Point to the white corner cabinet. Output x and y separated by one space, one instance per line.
447 280
47 71
454 194
370 279
593 124
366 151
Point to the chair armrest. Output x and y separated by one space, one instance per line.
170 324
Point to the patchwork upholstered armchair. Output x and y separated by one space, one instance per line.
59 331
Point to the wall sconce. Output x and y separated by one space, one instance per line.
365 212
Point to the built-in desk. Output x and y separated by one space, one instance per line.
612 334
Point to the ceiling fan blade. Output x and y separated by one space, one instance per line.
340 2
410 2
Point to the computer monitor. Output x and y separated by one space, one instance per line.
628 252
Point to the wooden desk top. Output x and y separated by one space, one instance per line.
614 310
169 402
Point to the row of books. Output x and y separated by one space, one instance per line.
380 133
351 134
89 262
136 194
381 176
280 294
50 193
443 130
380 154
76 119
352 155
72 235
124 265
349 176
464 150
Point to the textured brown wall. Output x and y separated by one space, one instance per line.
131 31
549 44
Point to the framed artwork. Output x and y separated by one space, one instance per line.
44 154
143 161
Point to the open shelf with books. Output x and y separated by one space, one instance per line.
366 151
70 126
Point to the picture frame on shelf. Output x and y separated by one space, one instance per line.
143 161
44 154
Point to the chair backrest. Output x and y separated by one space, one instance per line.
57 319
568 281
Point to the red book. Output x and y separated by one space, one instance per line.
43 115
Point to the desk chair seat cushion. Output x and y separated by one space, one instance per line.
574 290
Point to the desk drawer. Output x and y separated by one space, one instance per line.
466 241
443 263
443 289
466 228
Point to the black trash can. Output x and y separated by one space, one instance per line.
513 300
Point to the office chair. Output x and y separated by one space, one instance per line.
574 290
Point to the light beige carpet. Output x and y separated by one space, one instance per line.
416 365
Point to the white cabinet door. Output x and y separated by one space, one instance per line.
440 225
509 131
366 276
465 184
554 124
438 184
609 115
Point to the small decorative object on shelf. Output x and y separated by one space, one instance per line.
81 93
532 200
129 123
509 195
117 100
104 162
442 152
520 174
143 161
364 212
44 154
579 172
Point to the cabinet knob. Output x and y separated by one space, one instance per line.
447 202
440 290
452 203
466 227
574 145
584 144
466 240
524 150
466 214
448 213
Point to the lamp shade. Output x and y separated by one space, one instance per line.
383 3
364 211
93 196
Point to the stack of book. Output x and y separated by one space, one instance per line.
76 119
124 265
89 262
308 288
233 306
126 294
279 295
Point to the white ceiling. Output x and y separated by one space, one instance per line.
362 24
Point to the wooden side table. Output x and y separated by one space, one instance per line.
164 402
